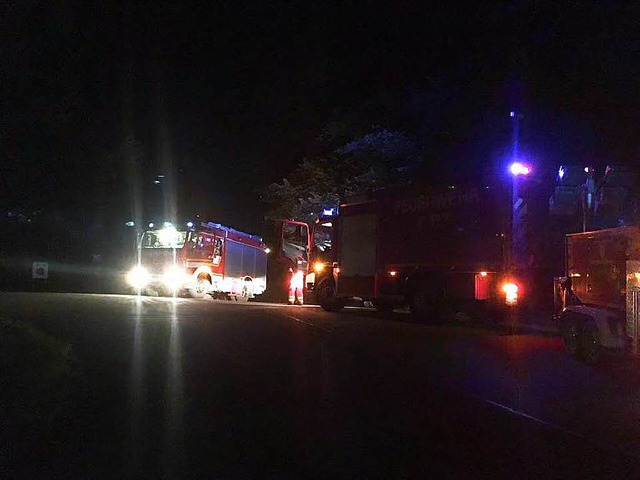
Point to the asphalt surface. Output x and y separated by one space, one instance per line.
183 388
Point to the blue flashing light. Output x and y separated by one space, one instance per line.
328 212
518 168
512 114
561 173
189 224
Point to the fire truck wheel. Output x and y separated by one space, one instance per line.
382 306
590 342
246 293
327 297
424 308
201 289
570 336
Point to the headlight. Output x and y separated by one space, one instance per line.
138 277
318 267
174 277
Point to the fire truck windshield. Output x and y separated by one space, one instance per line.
165 238
322 236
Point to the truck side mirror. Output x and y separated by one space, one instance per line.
294 244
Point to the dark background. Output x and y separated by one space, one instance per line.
224 98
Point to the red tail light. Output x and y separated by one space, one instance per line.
510 290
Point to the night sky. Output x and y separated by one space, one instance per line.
226 97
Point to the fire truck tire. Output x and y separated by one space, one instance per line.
202 288
327 297
384 306
246 293
571 329
424 308
590 346
570 332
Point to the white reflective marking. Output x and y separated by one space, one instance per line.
566 431
313 325
530 417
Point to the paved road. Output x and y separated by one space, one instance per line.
210 389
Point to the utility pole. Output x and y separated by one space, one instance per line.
515 151
512 191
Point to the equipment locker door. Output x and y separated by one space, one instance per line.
358 255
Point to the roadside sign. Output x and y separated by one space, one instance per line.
40 271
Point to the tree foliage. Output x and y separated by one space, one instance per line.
375 159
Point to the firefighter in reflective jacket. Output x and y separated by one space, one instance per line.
296 284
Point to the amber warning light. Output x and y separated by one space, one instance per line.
510 293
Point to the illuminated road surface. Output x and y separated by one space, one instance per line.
202 388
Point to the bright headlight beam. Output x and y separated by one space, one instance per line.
174 277
168 236
138 277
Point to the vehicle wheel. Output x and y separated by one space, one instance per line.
245 293
570 333
590 346
327 297
424 308
383 306
418 304
202 288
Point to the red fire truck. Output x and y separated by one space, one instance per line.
598 299
428 248
209 259
289 262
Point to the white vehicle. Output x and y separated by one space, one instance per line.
598 299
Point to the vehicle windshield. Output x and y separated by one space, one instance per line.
164 238
295 241
322 237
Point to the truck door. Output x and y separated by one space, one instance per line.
294 244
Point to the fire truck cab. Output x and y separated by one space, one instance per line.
291 264
209 259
